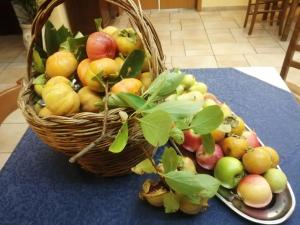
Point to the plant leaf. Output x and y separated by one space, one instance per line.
166 83
169 159
76 45
40 80
177 135
184 123
144 167
121 139
208 143
207 120
98 23
38 63
190 184
114 101
171 202
133 64
156 127
132 100
51 38
178 109
63 34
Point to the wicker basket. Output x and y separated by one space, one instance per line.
70 135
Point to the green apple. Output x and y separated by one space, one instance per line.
188 81
172 97
180 89
209 102
191 96
276 179
199 86
229 171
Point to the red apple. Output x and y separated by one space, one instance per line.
192 141
101 45
251 138
255 191
206 160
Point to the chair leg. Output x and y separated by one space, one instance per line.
253 17
282 15
274 7
247 13
265 15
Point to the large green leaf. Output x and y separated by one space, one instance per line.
207 120
114 102
76 45
132 100
169 159
178 109
156 127
208 143
144 167
166 83
62 34
171 202
133 64
190 184
121 139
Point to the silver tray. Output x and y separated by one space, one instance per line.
279 210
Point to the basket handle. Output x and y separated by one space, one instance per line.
137 18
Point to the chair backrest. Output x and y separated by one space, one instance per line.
8 101
293 47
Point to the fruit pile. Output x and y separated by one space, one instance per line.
238 161
68 82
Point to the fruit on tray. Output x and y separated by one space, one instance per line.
192 141
188 207
82 69
207 160
252 139
100 45
257 161
239 127
62 63
276 179
229 171
273 154
127 85
235 146
255 191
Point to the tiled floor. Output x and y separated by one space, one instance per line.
190 39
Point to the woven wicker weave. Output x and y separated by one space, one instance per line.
72 134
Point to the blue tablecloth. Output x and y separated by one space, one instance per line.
38 186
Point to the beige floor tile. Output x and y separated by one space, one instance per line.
269 50
190 35
12 73
194 62
10 53
3 159
164 33
192 14
10 135
158 19
174 50
15 117
218 31
263 42
221 38
244 33
160 15
232 13
22 58
3 66
220 24
232 48
274 60
206 50
195 26
167 26
197 45
231 61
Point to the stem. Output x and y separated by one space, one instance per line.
150 158
175 147
103 133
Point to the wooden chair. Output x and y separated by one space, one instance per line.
293 47
291 8
270 7
8 101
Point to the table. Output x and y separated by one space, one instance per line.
38 186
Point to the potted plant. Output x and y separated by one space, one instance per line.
25 11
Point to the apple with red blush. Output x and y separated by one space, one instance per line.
208 160
251 138
192 141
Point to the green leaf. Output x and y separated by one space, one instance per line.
208 143
166 83
38 63
144 167
121 139
156 127
207 120
184 123
169 159
114 102
133 64
177 135
132 100
171 202
53 37
76 45
178 109
98 23
40 80
190 184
